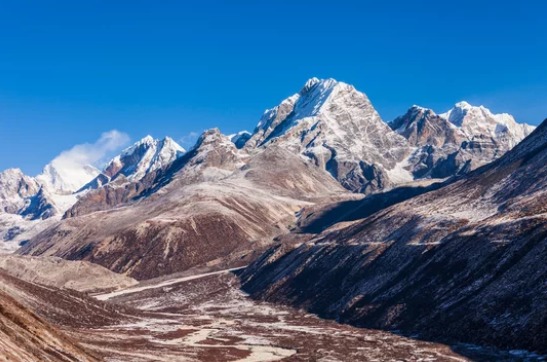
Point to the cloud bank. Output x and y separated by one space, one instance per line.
94 154
77 166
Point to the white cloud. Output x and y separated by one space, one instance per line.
75 167
92 153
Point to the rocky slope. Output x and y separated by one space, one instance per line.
29 205
77 275
216 204
463 262
27 337
35 321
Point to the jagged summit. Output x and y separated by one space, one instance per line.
315 94
472 122
459 140
422 126
143 157
480 121
138 160
338 129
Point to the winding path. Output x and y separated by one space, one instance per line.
162 284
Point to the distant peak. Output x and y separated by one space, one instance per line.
211 136
169 141
240 138
13 171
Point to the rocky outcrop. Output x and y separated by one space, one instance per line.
240 139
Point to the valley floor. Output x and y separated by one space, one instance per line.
207 318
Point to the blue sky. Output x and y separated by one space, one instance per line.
71 70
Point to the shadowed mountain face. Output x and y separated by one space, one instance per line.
463 262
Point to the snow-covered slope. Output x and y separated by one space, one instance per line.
460 140
135 162
66 179
480 122
15 189
337 127
24 204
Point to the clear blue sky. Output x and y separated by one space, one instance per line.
70 70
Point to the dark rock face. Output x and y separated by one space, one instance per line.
41 206
240 139
423 127
464 262
113 194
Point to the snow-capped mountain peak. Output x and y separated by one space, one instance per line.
479 121
457 114
337 128
310 83
66 178
15 188
318 96
141 158
316 93
320 84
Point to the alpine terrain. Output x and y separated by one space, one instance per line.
326 234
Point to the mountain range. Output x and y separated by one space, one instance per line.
432 223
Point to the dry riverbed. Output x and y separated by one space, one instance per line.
209 319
